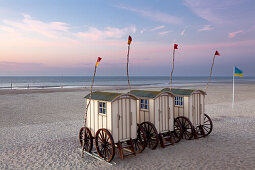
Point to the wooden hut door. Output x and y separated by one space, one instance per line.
164 113
125 118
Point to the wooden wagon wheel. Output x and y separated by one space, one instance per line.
200 131
177 133
151 133
187 127
140 141
87 138
208 125
105 144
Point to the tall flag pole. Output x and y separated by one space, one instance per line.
216 53
129 42
86 110
239 73
233 87
175 48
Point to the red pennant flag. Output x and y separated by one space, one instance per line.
98 60
129 40
175 46
217 53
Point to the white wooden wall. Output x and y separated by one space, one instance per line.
182 110
97 121
146 115
198 109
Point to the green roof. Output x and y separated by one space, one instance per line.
143 93
184 92
104 96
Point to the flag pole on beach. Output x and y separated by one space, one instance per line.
233 87
175 48
239 73
90 96
129 42
216 53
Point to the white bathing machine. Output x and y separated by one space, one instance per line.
189 109
111 122
156 116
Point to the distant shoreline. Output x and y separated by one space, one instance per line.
108 88
82 82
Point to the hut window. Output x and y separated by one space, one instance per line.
179 101
102 107
144 104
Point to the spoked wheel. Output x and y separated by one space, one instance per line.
208 125
105 144
200 131
85 139
186 126
140 142
151 134
177 133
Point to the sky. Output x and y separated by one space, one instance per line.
63 37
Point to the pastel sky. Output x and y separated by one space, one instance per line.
63 37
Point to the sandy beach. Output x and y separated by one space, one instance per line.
39 130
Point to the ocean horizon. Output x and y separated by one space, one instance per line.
40 82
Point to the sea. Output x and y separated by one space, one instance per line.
41 82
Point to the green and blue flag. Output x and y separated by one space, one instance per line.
238 72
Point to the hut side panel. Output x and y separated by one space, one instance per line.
152 111
109 117
194 103
197 108
164 113
171 114
203 109
88 123
157 113
115 120
133 122
138 112
186 106
92 116
190 108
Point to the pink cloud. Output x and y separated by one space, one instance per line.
109 33
10 31
164 32
205 28
29 24
158 28
233 34
155 15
